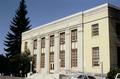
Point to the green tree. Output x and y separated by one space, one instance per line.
25 64
19 24
20 64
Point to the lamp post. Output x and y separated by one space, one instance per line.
101 65
59 66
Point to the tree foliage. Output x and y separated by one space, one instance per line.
5 65
20 64
19 24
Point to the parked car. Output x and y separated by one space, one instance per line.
117 76
83 76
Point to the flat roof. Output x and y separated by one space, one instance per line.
67 17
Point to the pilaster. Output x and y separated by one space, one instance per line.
56 57
38 54
67 50
80 48
47 54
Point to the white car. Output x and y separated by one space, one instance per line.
117 76
83 76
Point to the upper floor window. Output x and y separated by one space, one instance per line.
43 42
26 44
35 44
62 38
74 35
52 40
95 29
118 30
95 56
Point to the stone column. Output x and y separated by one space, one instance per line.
56 53
67 50
31 47
47 54
80 48
38 55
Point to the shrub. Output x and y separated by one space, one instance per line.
112 73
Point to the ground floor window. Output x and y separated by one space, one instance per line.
74 58
42 60
95 56
51 60
62 58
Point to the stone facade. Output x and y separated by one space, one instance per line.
96 42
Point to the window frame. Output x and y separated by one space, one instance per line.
74 57
42 65
62 58
74 35
25 46
43 42
52 40
95 29
35 44
62 38
95 56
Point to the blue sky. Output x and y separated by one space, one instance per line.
43 11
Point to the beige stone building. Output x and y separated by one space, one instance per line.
87 41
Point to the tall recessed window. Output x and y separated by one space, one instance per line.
42 52
51 55
26 46
42 60
74 48
34 62
51 40
43 42
74 35
95 56
62 38
62 49
95 29
35 44
51 60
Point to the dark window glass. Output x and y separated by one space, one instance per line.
95 29
95 56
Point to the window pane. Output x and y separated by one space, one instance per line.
95 29
35 44
62 58
74 35
118 30
62 38
95 56
74 58
51 60
42 60
34 62
52 40
43 42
